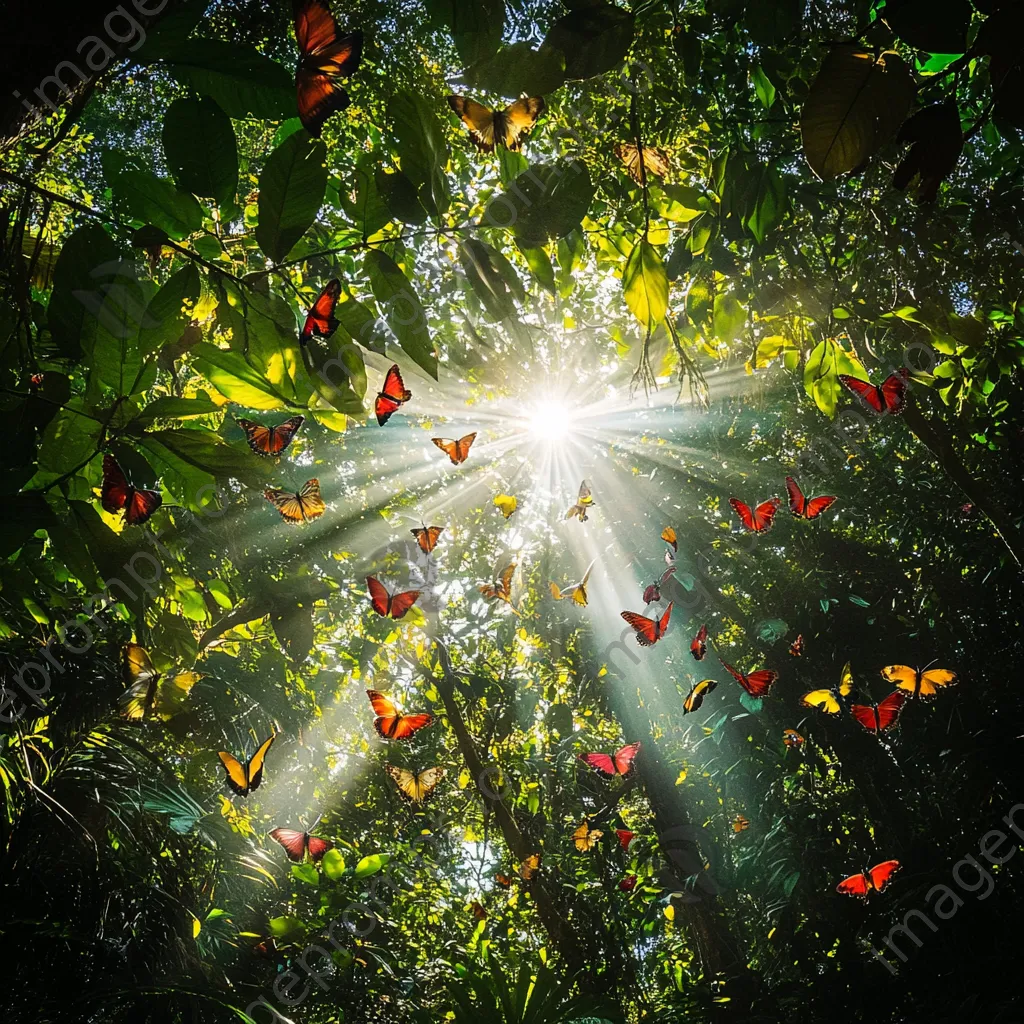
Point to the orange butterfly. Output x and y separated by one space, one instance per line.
325 57
740 824
390 723
648 631
320 321
655 161
391 396
395 605
791 738
501 588
299 507
457 451
796 648
506 127
427 537
270 440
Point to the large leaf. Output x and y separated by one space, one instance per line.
362 201
937 26
422 148
854 106
207 452
235 379
821 374
475 25
479 261
292 188
518 69
200 147
593 38
645 284
159 202
402 309
163 321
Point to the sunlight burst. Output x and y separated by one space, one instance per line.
548 421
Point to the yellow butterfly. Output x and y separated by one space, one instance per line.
247 779
150 692
655 160
578 591
828 700
583 502
918 682
506 127
413 786
506 503
585 837
298 506
696 696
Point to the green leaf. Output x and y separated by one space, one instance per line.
70 437
287 929
293 627
422 148
479 263
680 203
935 26
769 203
361 324
593 38
518 69
110 342
854 599
402 309
399 196
645 284
333 865
372 864
234 378
159 202
730 318
539 263
170 408
200 147
475 25
163 322
206 451
763 87
361 200
292 188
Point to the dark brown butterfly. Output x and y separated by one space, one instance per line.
427 537
325 57
270 440
117 494
507 127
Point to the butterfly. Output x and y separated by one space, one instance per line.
648 631
507 127
526 871
501 588
302 506
625 837
757 684
270 440
503 880
829 701
653 592
247 779
297 844
879 717
919 682
325 57
413 786
478 910
583 501
668 535
655 160
585 837
792 738
506 503
801 507
627 884
144 694
390 723
618 763
383 603
427 537
391 396
457 451
740 824
758 519
699 644
796 648
578 591
888 397
872 880
320 322
117 494
697 693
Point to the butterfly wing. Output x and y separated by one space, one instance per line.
462 447
903 677
503 880
478 119
585 838
115 491
529 867
556 592
287 503
141 506
652 594
894 391
449 447
625 837
282 435
695 698
324 58
699 644
391 396
237 778
585 497
602 762
254 771
823 700
425 783
668 535
935 679
881 874
140 678
792 738
855 885
867 392
645 628
386 713
401 603
740 824
317 847
797 501
818 505
506 503
406 726
312 504
320 321
889 709
663 622
294 842
764 514
866 715
759 683
380 599
427 537
796 648
624 757
517 119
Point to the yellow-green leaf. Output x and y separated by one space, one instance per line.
645 284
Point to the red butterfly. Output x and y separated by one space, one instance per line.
618 763
757 684
877 718
625 837
324 58
391 396
648 631
888 397
758 519
117 494
699 644
320 320
801 507
395 605
296 844
628 884
270 440
875 879
796 648
653 592
390 723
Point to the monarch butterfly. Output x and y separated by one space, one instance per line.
888 397
918 682
791 738
506 504
299 507
246 779
118 495
390 723
578 591
870 880
648 631
829 700
386 604
796 648
697 693
757 684
759 519
148 691
699 644
270 440
297 844
879 717
625 837
583 501
325 57
740 824
585 837
320 322
507 127
619 763
413 786
457 451
391 396
427 537
655 161
801 507
653 592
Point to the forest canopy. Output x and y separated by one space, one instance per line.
511 510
